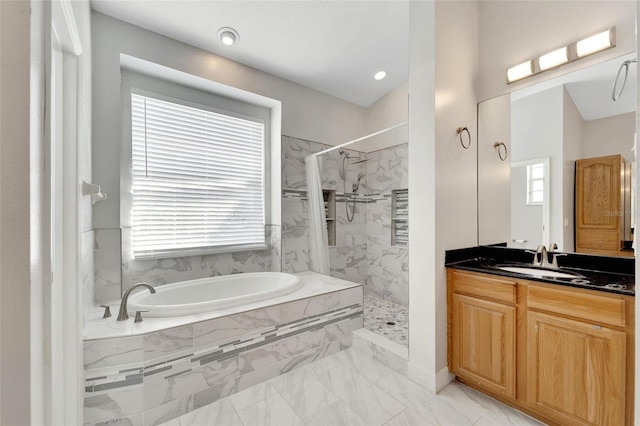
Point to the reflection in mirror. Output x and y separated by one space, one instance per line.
567 178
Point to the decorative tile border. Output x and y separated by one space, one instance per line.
157 376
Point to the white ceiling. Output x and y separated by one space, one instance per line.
331 46
591 87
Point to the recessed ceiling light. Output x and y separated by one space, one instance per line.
380 75
228 35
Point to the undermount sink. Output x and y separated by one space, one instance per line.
536 272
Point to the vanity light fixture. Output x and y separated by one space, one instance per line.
553 59
574 51
228 35
596 43
380 75
519 72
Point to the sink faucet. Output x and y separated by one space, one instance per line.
123 314
554 256
544 261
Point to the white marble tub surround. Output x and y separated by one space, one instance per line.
210 294
159 374
314 284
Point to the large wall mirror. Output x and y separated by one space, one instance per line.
555 163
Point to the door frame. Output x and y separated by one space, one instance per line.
546 208
57 308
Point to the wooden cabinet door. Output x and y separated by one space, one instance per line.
576 371
598 205
483 340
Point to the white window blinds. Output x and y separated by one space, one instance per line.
198 180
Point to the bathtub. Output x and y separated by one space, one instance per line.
210 294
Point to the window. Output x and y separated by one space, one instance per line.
198 179
535 184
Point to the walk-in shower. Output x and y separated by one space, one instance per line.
369 244
347 158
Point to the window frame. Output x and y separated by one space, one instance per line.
145 85
530 182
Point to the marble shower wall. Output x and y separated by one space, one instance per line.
363 252
388 265
348 258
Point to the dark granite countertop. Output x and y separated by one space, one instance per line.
602 273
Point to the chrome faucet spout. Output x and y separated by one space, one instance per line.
122 313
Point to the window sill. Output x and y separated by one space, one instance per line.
173 254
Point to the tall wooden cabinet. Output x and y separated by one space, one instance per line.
599 209
563 355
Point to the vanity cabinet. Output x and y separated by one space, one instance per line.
564 355
483 321
576 370
599 211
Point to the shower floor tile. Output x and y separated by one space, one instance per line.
387 319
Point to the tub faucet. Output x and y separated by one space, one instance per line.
123 314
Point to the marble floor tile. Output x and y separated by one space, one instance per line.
425 403
269 412
336 414
303 392
368 401
379 314
485 409
409 418
367 367
218 413
256 393
338 390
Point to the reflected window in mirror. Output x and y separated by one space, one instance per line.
535 184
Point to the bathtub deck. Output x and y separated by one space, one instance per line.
96 327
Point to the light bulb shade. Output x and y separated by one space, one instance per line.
520 71
596 43
553 59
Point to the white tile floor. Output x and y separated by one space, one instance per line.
349 388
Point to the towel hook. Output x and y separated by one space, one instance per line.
498 146
461 130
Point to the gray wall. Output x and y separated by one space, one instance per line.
305 112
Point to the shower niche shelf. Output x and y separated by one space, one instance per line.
400 217
329 196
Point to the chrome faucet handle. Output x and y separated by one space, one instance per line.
107 311
553 247
139 316
554 259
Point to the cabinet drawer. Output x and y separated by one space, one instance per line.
503 290
591 307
